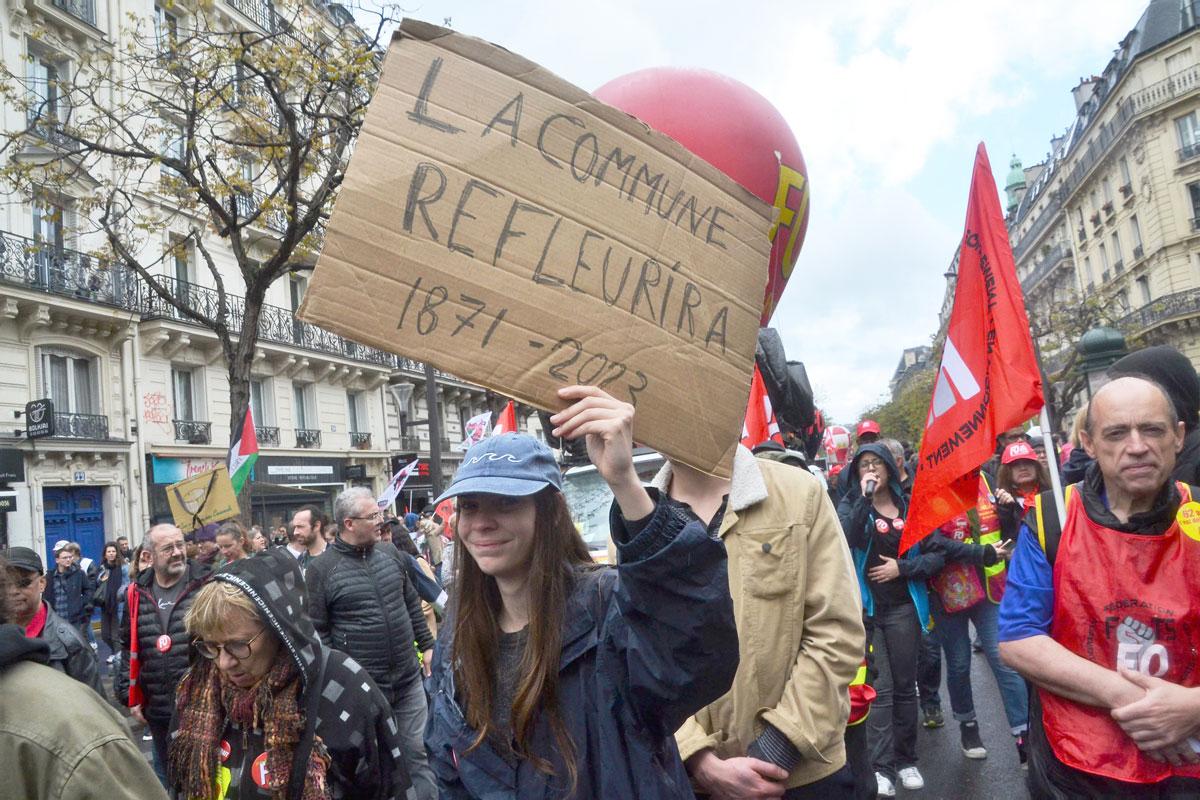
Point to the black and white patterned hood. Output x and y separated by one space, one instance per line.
272 581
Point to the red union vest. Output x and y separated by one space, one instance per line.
1123 599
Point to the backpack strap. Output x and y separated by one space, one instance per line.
1049 529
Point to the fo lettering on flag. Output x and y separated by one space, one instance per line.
396 484
988 380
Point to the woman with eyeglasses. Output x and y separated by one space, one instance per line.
266 710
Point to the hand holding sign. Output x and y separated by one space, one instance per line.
608 425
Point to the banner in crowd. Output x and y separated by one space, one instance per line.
475 430
988 380
508 228
396 484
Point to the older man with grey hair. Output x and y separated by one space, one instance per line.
362 603
1101 611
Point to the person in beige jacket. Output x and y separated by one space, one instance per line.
778 731
58 738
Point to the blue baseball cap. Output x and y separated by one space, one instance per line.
511 464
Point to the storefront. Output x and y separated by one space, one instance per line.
418 491
281 484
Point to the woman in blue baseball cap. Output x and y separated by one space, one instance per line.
557 677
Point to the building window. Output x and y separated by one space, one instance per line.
1103 258
185 385
166 27
1144 289
1087 272
261 405
46 101
1106 185
1123 300
304 415
1135 230
174 145
1194 196
1188 129
49 224
297 286
1118 259
356 416
1126 176
71 381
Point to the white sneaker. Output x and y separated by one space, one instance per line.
910 778
885 787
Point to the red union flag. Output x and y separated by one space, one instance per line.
760 424
988 380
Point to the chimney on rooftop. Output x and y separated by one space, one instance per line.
1083 92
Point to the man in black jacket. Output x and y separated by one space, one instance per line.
362 603
154 642
69 589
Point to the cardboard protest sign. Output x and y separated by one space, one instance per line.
203 498
509 228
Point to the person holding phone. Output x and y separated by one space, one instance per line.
968 590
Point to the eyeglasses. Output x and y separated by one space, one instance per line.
376 517
239 651
25 580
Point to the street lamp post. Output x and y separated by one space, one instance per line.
1099 349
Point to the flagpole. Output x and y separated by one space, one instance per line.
1055 479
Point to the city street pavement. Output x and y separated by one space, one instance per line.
949 775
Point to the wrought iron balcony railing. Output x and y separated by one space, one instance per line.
1044 267
80 9
1137 252
80 426
47 267
360 440
193 431
308 437
410 442
267 435
260 12
1169 307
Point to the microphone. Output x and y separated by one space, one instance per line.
869 491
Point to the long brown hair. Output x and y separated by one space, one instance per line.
558 550
1004 478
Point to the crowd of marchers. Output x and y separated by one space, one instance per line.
756 636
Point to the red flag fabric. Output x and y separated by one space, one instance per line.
760 424
988 380
507 423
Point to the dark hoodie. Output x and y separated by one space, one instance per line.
857 516
1173 371
339 701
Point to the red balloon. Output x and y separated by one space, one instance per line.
739 132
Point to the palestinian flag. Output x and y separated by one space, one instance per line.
243 454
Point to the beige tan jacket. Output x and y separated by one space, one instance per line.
799 620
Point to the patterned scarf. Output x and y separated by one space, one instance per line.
206 701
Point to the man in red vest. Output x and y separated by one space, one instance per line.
1102 614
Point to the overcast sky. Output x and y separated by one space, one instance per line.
887 98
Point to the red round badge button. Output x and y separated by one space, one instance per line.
881 525
258 771
224 751
898 524
163 644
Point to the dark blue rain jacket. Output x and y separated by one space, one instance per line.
646 645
